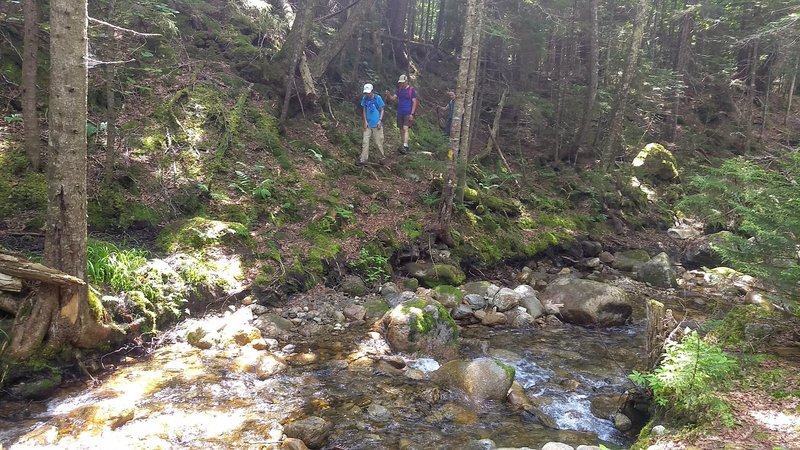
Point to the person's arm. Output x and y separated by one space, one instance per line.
364 114
380 119
413 106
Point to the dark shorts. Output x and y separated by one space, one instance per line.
404 121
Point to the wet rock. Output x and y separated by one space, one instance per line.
246 335
475 301
268 366
200 338
524 276
491 318
353 286
293 444
545 419
313 431
505 299
476 287
622 422
682 233
432 275
517 397
419 325
557 446
461 312
591 248
587 302
448 296
519 317
659 272
482 444
630 260
273 326
355 312
704 252
604 406
37 388
265 344
529 300
114 414
606 258
378 413
481 379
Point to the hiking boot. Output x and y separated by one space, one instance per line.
404 150
361 163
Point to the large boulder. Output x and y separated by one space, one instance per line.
587 302
659 272
655 162
481 379
419 325
703 252
505 299
432 275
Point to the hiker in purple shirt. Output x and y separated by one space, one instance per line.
406 97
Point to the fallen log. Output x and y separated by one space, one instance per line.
11 265
9 283
9 304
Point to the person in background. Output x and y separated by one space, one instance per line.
406 97
373 107
450 108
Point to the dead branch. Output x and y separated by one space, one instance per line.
11 265
100 22
9 304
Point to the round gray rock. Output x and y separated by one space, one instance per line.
313 431
587 302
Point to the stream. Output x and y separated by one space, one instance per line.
185 397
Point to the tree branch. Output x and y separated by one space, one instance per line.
100 22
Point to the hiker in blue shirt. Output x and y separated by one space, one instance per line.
373 106
406 97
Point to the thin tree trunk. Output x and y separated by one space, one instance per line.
111 108
457 131
496 123
437 39
618 112
791 90
751 97
679 66
765 112
467 129
296 40
592 68
396 12
30 52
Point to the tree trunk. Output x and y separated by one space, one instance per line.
618 113
355 20
30 52
437 38
467 129
396 12
592 68
458 130
296 43
679 66
64 310
791 90
496 123
111 107
751 98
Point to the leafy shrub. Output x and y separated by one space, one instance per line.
372 265
686 379
761 206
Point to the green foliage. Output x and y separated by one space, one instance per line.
13 118
687 377
761 206
113 266
372 265
20 189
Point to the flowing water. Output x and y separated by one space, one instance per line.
184 397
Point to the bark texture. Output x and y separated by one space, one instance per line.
30 114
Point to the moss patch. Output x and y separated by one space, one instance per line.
509 370
198 233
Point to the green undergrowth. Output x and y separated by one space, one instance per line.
198 233
21 190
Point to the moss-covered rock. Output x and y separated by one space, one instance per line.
432 275
630 260
420 325
447 295
198 233
655 162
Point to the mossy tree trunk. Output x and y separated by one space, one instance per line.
30 53
60 314
295 44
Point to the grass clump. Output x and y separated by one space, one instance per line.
112 266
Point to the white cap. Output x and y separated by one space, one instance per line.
367 88
402 78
